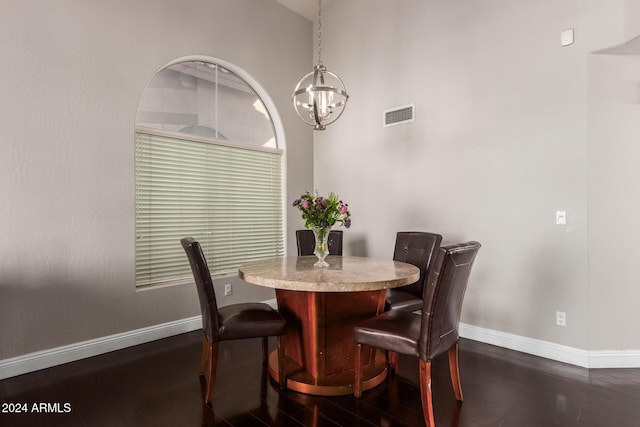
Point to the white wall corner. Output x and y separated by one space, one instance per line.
272 302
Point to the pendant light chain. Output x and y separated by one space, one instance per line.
319 32
320 96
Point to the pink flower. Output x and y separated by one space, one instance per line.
305 204
343 209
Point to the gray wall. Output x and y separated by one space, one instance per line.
510 128
72 75
499 144
631 19
614 207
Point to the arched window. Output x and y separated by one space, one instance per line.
207 165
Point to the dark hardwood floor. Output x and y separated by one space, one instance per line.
157 384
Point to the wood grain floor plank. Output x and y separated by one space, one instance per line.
157 384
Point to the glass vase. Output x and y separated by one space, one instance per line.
322 245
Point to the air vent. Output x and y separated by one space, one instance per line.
399 115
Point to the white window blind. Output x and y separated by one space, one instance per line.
226 196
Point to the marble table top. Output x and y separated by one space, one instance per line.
344 274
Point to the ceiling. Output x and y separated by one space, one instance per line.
306 8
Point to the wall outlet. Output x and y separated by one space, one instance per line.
561 318
566 37
228 290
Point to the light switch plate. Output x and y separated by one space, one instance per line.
561 217
566 37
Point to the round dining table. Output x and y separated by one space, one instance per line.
321 306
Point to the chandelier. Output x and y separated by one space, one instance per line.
320 96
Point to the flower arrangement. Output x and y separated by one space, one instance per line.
318 211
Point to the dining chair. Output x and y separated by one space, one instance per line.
236 321
428 335
417 248
307 242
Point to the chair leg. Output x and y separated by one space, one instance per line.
265 350
455 372
282 373
211 374
393 362
425 393
357 366
205 355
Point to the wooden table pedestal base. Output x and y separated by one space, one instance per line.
319 342
335 385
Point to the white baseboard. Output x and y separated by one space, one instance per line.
69 353
548 350
614 359
533 346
